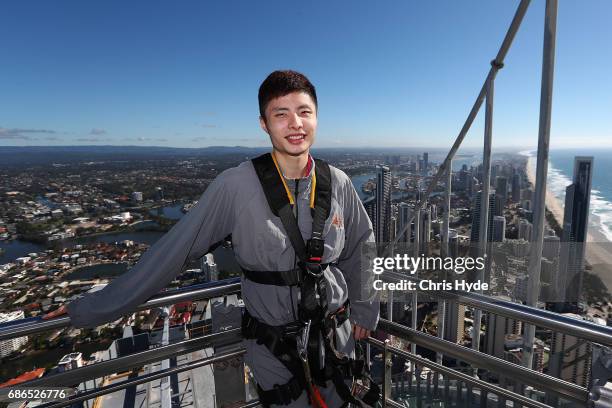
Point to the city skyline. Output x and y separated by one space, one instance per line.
401 75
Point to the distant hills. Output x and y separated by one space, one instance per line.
11 156
18 156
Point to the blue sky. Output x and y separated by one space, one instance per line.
391 73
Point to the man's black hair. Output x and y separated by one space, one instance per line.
281 83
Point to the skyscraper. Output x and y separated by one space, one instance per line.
425 163
501 189
404 216
463 177
551 247
425 231
454 322
499 229
524 230
570 357
453 243
516 188
575 227
383 204
497 329
370 206
475 233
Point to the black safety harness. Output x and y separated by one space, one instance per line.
307 347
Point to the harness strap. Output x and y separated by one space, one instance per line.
280 205
340 367
281 394
254 329
291 277
281 341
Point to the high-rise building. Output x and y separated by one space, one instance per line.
520 288
454 322
370 206
454 316
392 228
575 228
453 243
209 268
524 230
463 177
404 216
383 204
425 231
433 209
496 330
550 266
501 189
570 357
472 185
425 162
516 188
551 247
475 233
548 274
499 229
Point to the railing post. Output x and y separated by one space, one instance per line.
501 400
165 389
446 394
388 365
419 394
483 235
535 256
444 249
417 249
389 294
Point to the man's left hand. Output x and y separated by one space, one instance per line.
360 332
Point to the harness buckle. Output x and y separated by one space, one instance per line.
312 268
315 247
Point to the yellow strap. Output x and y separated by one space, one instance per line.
314 186
289 195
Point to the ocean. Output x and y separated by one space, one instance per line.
560 173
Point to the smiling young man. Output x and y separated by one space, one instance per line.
297 227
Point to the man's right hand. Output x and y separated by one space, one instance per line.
62 310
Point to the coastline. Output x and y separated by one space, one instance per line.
552 203
599 249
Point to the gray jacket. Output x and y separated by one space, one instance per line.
235 203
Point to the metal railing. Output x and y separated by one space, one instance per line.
447 372
513 372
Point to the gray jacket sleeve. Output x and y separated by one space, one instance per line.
354 260
207 223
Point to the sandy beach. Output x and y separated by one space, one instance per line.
599 249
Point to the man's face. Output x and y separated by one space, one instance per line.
291 122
